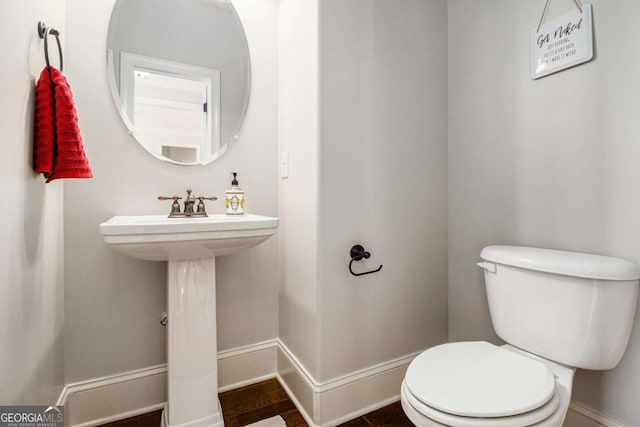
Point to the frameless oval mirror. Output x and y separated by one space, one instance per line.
180 75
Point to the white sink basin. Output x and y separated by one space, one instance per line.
158 238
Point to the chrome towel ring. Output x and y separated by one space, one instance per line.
44 33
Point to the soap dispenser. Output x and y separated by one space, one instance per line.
234 196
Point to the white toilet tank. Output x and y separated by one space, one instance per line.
573 308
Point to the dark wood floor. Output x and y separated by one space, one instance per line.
389 416
267 399
257 402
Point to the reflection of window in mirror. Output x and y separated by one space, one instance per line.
180 154
174 109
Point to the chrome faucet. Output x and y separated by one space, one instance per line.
189 201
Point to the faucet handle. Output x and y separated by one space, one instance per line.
175 206
201 208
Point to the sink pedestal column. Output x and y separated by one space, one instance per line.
192 346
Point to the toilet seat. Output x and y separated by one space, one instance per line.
526 419
480 384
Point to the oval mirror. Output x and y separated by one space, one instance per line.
180 75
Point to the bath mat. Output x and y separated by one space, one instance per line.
276 421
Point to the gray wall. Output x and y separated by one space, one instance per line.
363 116
31 256
112 302
550 163
298 133
383 180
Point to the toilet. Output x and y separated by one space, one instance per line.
557 311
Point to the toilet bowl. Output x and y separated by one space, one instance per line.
557 311
518 389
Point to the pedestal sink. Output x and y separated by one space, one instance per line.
190 246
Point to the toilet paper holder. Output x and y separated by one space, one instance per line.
357 254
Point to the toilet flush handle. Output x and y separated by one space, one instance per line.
489 266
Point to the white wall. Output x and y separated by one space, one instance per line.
112 302
550 163
383 182
298 133
31 274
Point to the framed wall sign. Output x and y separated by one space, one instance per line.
562 43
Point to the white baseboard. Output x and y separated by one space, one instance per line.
322 404
116 397
344 398
247 365
580 415
102 400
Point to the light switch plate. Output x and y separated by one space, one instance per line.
284 164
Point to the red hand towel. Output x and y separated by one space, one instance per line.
63 155
44 129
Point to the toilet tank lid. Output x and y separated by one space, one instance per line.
566 263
